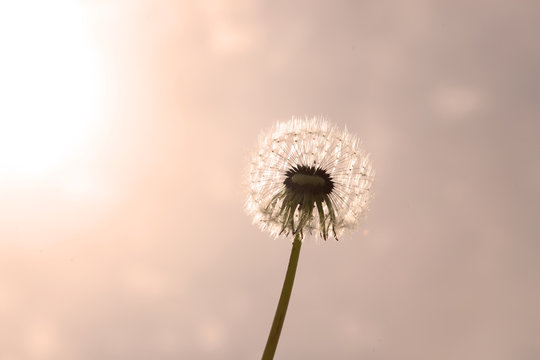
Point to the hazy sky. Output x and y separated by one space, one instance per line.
126 131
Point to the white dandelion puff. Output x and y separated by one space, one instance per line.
309 175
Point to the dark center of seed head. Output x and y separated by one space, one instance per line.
308 180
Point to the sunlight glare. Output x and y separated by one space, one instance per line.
48 86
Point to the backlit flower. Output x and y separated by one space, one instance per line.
309 175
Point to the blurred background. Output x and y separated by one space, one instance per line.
126 128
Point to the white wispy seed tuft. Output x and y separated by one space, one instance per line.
309 175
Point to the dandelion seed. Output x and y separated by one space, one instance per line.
309 175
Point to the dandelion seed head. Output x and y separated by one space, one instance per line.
309 176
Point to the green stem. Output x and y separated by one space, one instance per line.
286 291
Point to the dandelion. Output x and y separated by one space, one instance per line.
308 176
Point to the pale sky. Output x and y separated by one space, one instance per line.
126 129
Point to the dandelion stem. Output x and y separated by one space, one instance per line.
281 311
